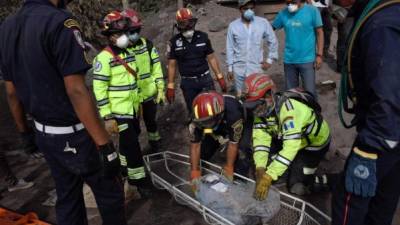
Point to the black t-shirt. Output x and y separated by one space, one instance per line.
231 125
191 56
39 46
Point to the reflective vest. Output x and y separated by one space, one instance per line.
150 75
296 125
115 89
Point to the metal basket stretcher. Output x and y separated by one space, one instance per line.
170 171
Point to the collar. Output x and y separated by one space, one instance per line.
138 43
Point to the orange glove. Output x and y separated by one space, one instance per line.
195 176
221 82
170 93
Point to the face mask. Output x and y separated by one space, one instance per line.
134 37
122 41
293 8
249 15
188 34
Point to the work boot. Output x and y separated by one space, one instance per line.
154 146
144 187
20 184
320 184
300 189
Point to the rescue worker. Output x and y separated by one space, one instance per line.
304 134
369 190
150 76
215 116
244 45
191 50
115 85
43 60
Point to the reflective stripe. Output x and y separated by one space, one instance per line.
261 148
137 173
121 116
149 99
154 136
159 79
317 148
128 59
122 88
103 102
123 160
260 126
292 136
144 76
288 105
101 77
309 128
156 60
309 171
141 51
283 160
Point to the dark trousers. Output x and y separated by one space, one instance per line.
130 152
191 87
303 159
6 174
71 170
348 209
149 115
326 17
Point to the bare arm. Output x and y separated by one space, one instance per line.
171 72
85 108
195 156
16 108
320 41
214 63
231 154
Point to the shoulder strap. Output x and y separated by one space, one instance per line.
120 60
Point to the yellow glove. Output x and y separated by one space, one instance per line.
160 96
263 183
228 173
111 126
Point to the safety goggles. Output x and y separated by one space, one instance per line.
186 24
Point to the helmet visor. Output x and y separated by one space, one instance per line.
209 122
186 24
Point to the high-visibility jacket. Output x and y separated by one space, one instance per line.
150 75
296 125
115 89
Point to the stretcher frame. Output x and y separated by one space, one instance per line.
299 206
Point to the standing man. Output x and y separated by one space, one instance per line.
303 25
115 85
43 60
191 50
244 45
150 76
324 6
369 190
294 117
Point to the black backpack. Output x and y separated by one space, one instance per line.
306 98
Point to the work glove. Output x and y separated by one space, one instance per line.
110 159
263 183
29 146
170 93
160 98
228 173
195 176
360 178
111 126
221 81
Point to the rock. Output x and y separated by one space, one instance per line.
202 12
217 25
163 16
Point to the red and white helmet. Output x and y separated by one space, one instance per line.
114 22
133 16
208 108
185 19
256 88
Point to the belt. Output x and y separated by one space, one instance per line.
58 130
196 77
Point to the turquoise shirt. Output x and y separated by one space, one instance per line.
300 42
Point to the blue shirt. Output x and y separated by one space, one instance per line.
244 45
300 42
39 46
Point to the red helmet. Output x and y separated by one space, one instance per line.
114 22
185 19
208 108
131 14
256 86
